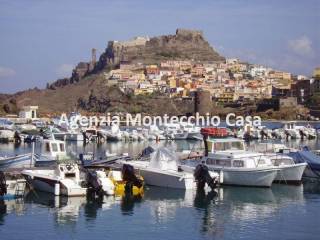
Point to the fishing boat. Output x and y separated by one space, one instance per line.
249 168
235 165
53 152
64 179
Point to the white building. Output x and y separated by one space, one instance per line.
258 71
28 112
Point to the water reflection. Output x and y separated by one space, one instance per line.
12 206
3 211
209 212
202 201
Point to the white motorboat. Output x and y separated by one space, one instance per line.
63 180
290 172
303 156
174 132
154 133
193 132
162 170
292 130
264 132
236 165
114 134
26 127
227 154
248 132
278 133
6 124
6 135
310 132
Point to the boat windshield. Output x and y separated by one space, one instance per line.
54 147
224 146
164 159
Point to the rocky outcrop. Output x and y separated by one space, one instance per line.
184 45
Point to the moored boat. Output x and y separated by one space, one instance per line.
236 165
162 170
64 179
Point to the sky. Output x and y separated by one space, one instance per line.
42 40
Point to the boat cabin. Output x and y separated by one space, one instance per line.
68 171
55 149
231 153
225 144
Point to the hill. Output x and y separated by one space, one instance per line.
86 88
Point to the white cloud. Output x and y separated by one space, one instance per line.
6 72
64 70
301 46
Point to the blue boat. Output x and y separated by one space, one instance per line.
18 161
313 160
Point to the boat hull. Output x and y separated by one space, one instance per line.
16 162
49 185
167 180
252 178
291 173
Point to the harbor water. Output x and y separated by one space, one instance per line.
279 212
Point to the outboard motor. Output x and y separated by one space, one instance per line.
93 181
302 134
3 184
130 178
288 136
274 135
29 139
17 137
202 176
264 135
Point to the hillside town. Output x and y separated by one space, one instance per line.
229 83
